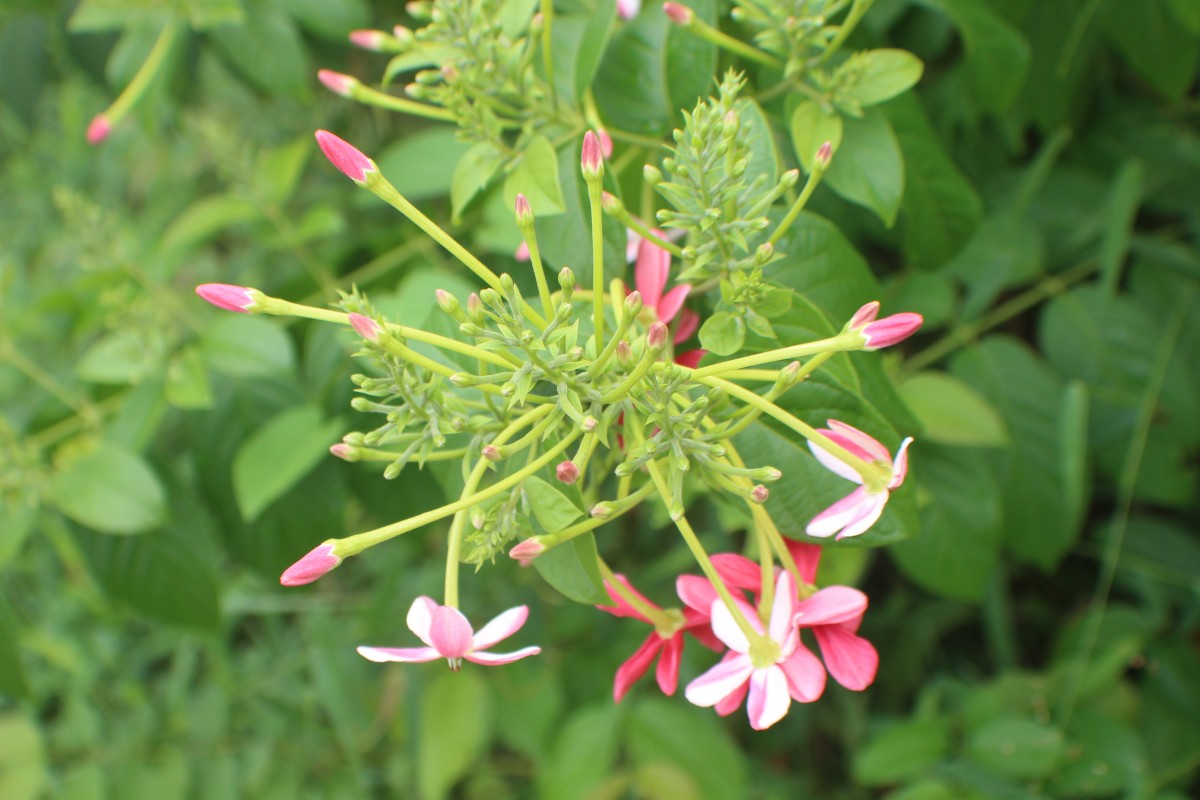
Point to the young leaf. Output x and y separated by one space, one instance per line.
723 333
552 509
474 172
110 489
869 169
278 455
246 347
952 412
812 126
572 569
882 74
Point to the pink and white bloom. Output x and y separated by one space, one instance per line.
883 332
650 276
666 646
773 670
628 9
239 299
447 634
859 510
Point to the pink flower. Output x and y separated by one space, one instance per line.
98 129
591 157
525 552
883 332
319 561
369 40
834 614
690 358
628 9
240 299
346 157
773 670
859 510
650 276
677 13
365 327
447 634
337 82
667 647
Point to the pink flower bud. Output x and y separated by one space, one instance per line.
365 327
892 329
760 493
567 472
403 34
342 451
527 551
606 142
824 154
656 337
589 423
524 212
99 129
320 560
231 298
336 82
346 157
369 40
866 314
491 452
628 9
678 13
624 351
522 252
592 157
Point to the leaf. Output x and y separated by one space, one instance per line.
1106 758
1016 747
13 683
901 752
22 759
536 175
246 347
267 50
812 126
455 723
123 356
630 87
1005 251
552 509
278 170
187 383
278 455
579 41
19 517
421 165
474 172
952 412
694 742
869 169
690 61
998 56
583 753
331 19
1159 49
723 333
764 156
110 489
572 568
882 74
823 266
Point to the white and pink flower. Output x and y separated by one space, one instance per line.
858 511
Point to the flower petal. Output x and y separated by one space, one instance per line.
805 675
807 558
696 593
420 616
667 672
621 607
851 659
850 437
900 465
838 515
500 628
738 572
719 682
650 273
496 659
408 655
672 301
689 321
868 515
831 606
691 358
450 632
769 699
834 464
783 609
634 667
727 630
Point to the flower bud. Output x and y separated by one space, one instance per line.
769 474
566 280
611 204
474 309
624 353
240 299
365 327
602 510
891 330
525 552
764 253
633 303
404 36
678 13
370 40
463 379
656 337
343 451
652 175
589 423
319 561
524 212
338 83
491 452
592 158
98 129
760 493
448 303
823 156
789 179
346 157
567 472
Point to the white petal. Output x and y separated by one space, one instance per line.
495 659
500 628
420 617
868 515
408 655
835 464
722 680
727 629
783 608
838 515
769 699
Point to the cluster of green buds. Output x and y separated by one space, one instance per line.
799 32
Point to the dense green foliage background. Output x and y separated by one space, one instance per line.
161 463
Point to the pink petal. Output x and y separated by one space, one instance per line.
98 129
783 608
733 701
838 515
621 607
650 273
689 321
719 682
727 629
628 9
667 673
420 617
226 296
408 655
807 558
320 560
345 156
496 659
769 699
450 632
697 625
851 659
834 464
805 675
738 572
672 301
864 315
891 330
868 515
690 358
696 593
634 667
831 606
500 628
900 465
868 447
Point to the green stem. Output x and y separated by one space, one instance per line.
371 454
374 97
727 42
814 178
594 192
643 366
539 272
621 214
845 29
547 9
840 343
145 74
658 618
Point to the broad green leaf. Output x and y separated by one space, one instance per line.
693 742
267 50
1186 12
1106 758
881 74
474 172
579 40
22 758
902 751
823 266
959 544
1123 201
208 217
630 88
102 15
187 383
723 333
1016 747
952 412
552 509
1006 251
764 156
530 700
573 570
124 356
110 489
421 165
1158 48
812 126
246 347
869 169
278 455
19 518
998 56
13 683
582 754
930 294
536 176
278 170
454 732
330 19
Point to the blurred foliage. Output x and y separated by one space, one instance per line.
1040 637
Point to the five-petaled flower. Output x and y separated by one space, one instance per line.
447 634
859 510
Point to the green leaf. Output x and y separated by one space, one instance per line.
1106 758
959 545
110 489
579 40
573 569
454 732
278 170
421 165
12 674
812 126
536 175
124 356
474 172
952 412
19 517
694 742
723 333
869 169
278 455
1162 51
690 61
882 74
1005 251
552 509
1016 747
187 383
207 217
583 753
998 57
22 759
246 347
764 156
267 50
330 19
823 266
630 87
903 751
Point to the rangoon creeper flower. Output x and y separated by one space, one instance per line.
666 646
858 511
883 332
447 634
240 299
650 276
774 669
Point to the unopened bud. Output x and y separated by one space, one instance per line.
448 303
338 83
403 35
346 157
652 175
611 203
491 452
592 158
789 178
677 13
491 298
656 337
506 283
525 552
98 129
589 424
524 212
824 154
370 40
730 124
602 510
419 9
633 303
566 280
624 353
769 474
474 309
760 493
343 451
764 253
365 327
392 470
567 472
240 299
319 561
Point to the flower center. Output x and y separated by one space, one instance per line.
764 652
